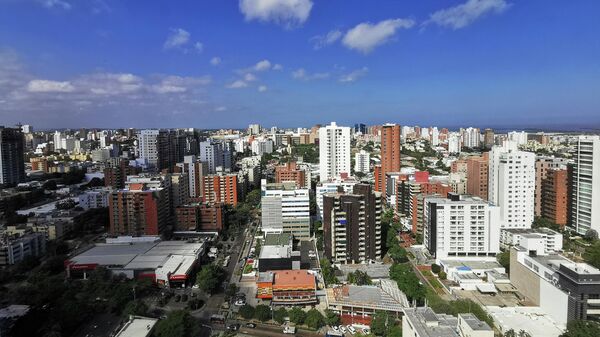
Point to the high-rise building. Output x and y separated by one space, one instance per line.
291 172
262 146
285 209
333 186
199 217
488 138
555 197
434 137
334 151
518 137
352 225
390 154
253 129
195 170
158 148
217 154
512 184
454 143
471 137
460 226
220 188
362 161
139 209
12 160
478 175
542 166
585 180
116 172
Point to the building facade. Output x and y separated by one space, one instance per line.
334 151
585 184
285 209
390 154
12 160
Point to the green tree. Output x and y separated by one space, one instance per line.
379 322
279 315
209 278
435 268
247 311
178 323
582 329
328 272
136 308
394 331
504 259
232 289
331 318
359 278
297 315
592 254
539 221
407 281
262 313
314 319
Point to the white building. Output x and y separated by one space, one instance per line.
424 322
97 198
285 209
471 137
361 161
254 129
585 203
195 171
57 138
552 240
512 184
262 146
435 137
460 226
334 151
519 137
148 146
454 143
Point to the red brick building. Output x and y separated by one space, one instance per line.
390 154
555 196
138 211
290 172
199 217
477 176
220 189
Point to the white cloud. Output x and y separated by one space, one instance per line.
277 66
249 77
56 4
354 75
367 36
221 109
288 13
464 14
178 38
301 74
199 47
262 65
321 41
262 88
237 84
176 84
49 86
215 61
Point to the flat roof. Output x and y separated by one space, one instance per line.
428 323
474 323
112 254
137 327
385 296
375 271
292 278
277 239
471 264
532 320
275 252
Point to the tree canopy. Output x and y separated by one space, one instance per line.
314 319
582 329
178 323
359 277
262 313
209 278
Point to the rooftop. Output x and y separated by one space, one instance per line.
430 324
277 239
137 327
293 278
375 271
474 323
385 296
466 265
275 252
530 319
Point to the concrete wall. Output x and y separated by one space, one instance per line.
526 281
554 301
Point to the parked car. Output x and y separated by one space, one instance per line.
351 329
233 327
335 328
250 325
289 329
366 331
240 302
342 329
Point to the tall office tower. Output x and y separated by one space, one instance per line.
460 226
139 209
390 154
362 161
360 128
435 137
221 188
585 197
291 172
285 209
334 151
262 146
12 160
519 137
195 170
542 166
157 148
57 139
478 175
253 129
488 138
217 154
471 137
27 128
352 225
454 143
554 196
512 184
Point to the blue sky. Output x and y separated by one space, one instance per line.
228 63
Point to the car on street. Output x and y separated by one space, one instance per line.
351 329
240 302
250 325
233 327
342 329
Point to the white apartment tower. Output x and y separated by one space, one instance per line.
361 161
334 151
460 226
585 202
511 184
148 146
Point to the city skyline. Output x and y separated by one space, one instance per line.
487 63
